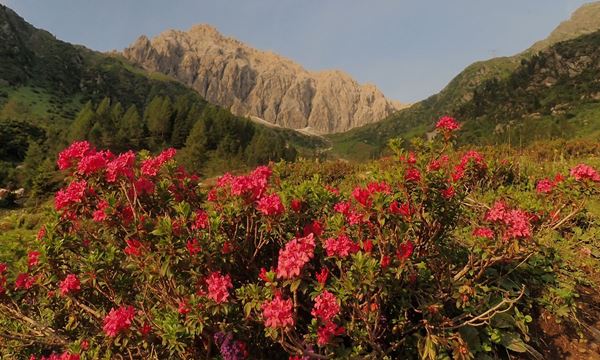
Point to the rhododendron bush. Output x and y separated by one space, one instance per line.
143 260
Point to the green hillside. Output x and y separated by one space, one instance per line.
470 93
52 92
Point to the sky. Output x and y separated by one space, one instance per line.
410 49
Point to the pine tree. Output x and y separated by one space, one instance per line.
131 130
83 123
158 119
195 153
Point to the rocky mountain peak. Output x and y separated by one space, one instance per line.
261 84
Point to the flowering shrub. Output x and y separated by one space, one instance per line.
144 261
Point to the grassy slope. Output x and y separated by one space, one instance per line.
369 140
46 81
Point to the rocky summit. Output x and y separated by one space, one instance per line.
261 84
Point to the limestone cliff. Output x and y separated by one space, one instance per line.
262 84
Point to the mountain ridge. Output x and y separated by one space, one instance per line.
253 82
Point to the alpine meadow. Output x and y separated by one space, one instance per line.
194 197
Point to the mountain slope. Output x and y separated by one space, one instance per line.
53 92
250 82
370 140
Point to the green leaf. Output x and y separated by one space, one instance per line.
513 342
295 285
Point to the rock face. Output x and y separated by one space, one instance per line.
256 83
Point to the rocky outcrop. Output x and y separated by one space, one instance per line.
261 84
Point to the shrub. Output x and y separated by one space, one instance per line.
141 261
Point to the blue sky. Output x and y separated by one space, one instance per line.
409 48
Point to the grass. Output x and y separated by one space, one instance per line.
18 230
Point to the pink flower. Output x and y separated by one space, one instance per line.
100 213
483 232
403 210
73 193
33 258
368 246
412 175
278 313
134 247
69 284
144 186
24 281
201 221
270 205
41 233
497 212
75 151
91 163
343 207
296 205
146 329
322 276
385 261
118 320
327 331
314 227
447 124
362 196
341 246
435 165
544 186
151 166
122 165
405 250
193 246
183 307
326 306
449 192
585 172
379 187
294 256
518 224
264 276
250 186
218 287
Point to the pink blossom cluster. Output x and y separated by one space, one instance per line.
326 306
516 221
270 205
118 320
294 255
218 286
364 195
72 194
75 152
151 166
251 186
121 166
340 246
585 172
472 159
25 281
3 268
352 216
93 162
447 124
278 313
69 284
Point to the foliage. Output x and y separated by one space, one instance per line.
432 253
53 93
519 100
